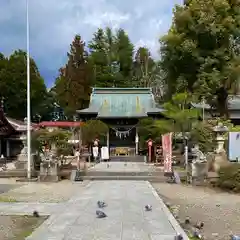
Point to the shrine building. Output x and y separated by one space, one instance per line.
121 109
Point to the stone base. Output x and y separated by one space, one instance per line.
48 178
49 172
22 162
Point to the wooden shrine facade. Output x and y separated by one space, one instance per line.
12 136
121 109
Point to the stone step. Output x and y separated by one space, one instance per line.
122 173
127 158
125 175
127 178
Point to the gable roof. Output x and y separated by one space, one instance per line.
5 127
121 102
233 104
20 125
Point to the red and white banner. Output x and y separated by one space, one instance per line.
167 151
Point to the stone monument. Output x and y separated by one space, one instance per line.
21 162
199 167
49 170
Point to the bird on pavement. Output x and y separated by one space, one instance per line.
148 208
100 214
235 237
36 214
178 237
101 204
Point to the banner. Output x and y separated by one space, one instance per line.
167 151
104 153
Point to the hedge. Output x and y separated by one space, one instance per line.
229 177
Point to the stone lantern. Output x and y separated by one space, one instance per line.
220 157
220 131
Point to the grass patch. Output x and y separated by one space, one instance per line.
27 225
7 199
19 227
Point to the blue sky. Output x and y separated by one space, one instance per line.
53 24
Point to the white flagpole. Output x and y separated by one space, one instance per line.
28 100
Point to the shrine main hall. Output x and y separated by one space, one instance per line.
121 109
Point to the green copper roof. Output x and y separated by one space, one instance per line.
121 102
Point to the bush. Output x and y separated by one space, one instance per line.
229 177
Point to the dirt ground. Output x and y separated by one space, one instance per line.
220 212
42 192
18 227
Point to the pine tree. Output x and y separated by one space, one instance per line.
73 86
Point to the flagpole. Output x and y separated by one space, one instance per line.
28 100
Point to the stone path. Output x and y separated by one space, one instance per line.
126 216
126 219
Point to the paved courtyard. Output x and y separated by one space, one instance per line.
126 217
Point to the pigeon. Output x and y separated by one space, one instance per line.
178 237
199 225
235 237
101 204
100 214
187 220
148 208
36 214
196 234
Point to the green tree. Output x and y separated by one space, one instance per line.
102 55
200 52
92 129
124 53
13 85
72 87
180 117
111 58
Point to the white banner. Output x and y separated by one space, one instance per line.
104 153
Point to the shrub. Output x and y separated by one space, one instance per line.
229 177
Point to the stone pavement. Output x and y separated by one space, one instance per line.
126 218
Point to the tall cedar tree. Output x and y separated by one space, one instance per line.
13 86
111 57
73 86
102 57
124 52
200 53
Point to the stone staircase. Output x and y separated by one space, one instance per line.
136 158
121 171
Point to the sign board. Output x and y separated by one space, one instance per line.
95 152
104 153
167 152
233 146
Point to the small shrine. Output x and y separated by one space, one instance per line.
121 109
233 109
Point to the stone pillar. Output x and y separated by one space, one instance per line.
7 148
136 141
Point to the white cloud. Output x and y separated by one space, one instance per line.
53 24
